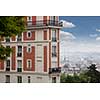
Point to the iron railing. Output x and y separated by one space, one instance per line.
55 70
41 23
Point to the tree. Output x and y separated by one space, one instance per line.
89 76
92 74
9 26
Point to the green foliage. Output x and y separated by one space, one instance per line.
90 76
9 26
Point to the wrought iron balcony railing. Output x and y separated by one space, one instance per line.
55 70
8 68
41 23
19 54
19 69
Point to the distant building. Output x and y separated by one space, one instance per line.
72 69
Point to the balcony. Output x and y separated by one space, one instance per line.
55 70
19 69
8 68
45 23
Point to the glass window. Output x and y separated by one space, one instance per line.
8 63
19 79
7 78
19 65
7 39
29 34
29 49
29 79
19 38
19 48
29 63
53 51
53 79
19 54
54 35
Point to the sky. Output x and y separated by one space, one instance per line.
80 34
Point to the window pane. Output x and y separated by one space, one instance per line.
8 63
19 79
19 48
19 63
7 78
29 79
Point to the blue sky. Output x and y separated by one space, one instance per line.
86 31
84 26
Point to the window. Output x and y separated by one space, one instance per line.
53 20
19 79
19 38
29 79
19 54
7 79
8 65
54 51
29 48
53 79
7 46
7 39
19 65
29 34
54 35
29 63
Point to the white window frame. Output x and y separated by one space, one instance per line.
30 34
30 63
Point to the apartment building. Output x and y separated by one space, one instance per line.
35 56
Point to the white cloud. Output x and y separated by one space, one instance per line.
67 24
80 47
98 38
93 35
98 30
66 36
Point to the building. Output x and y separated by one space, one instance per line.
35 56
